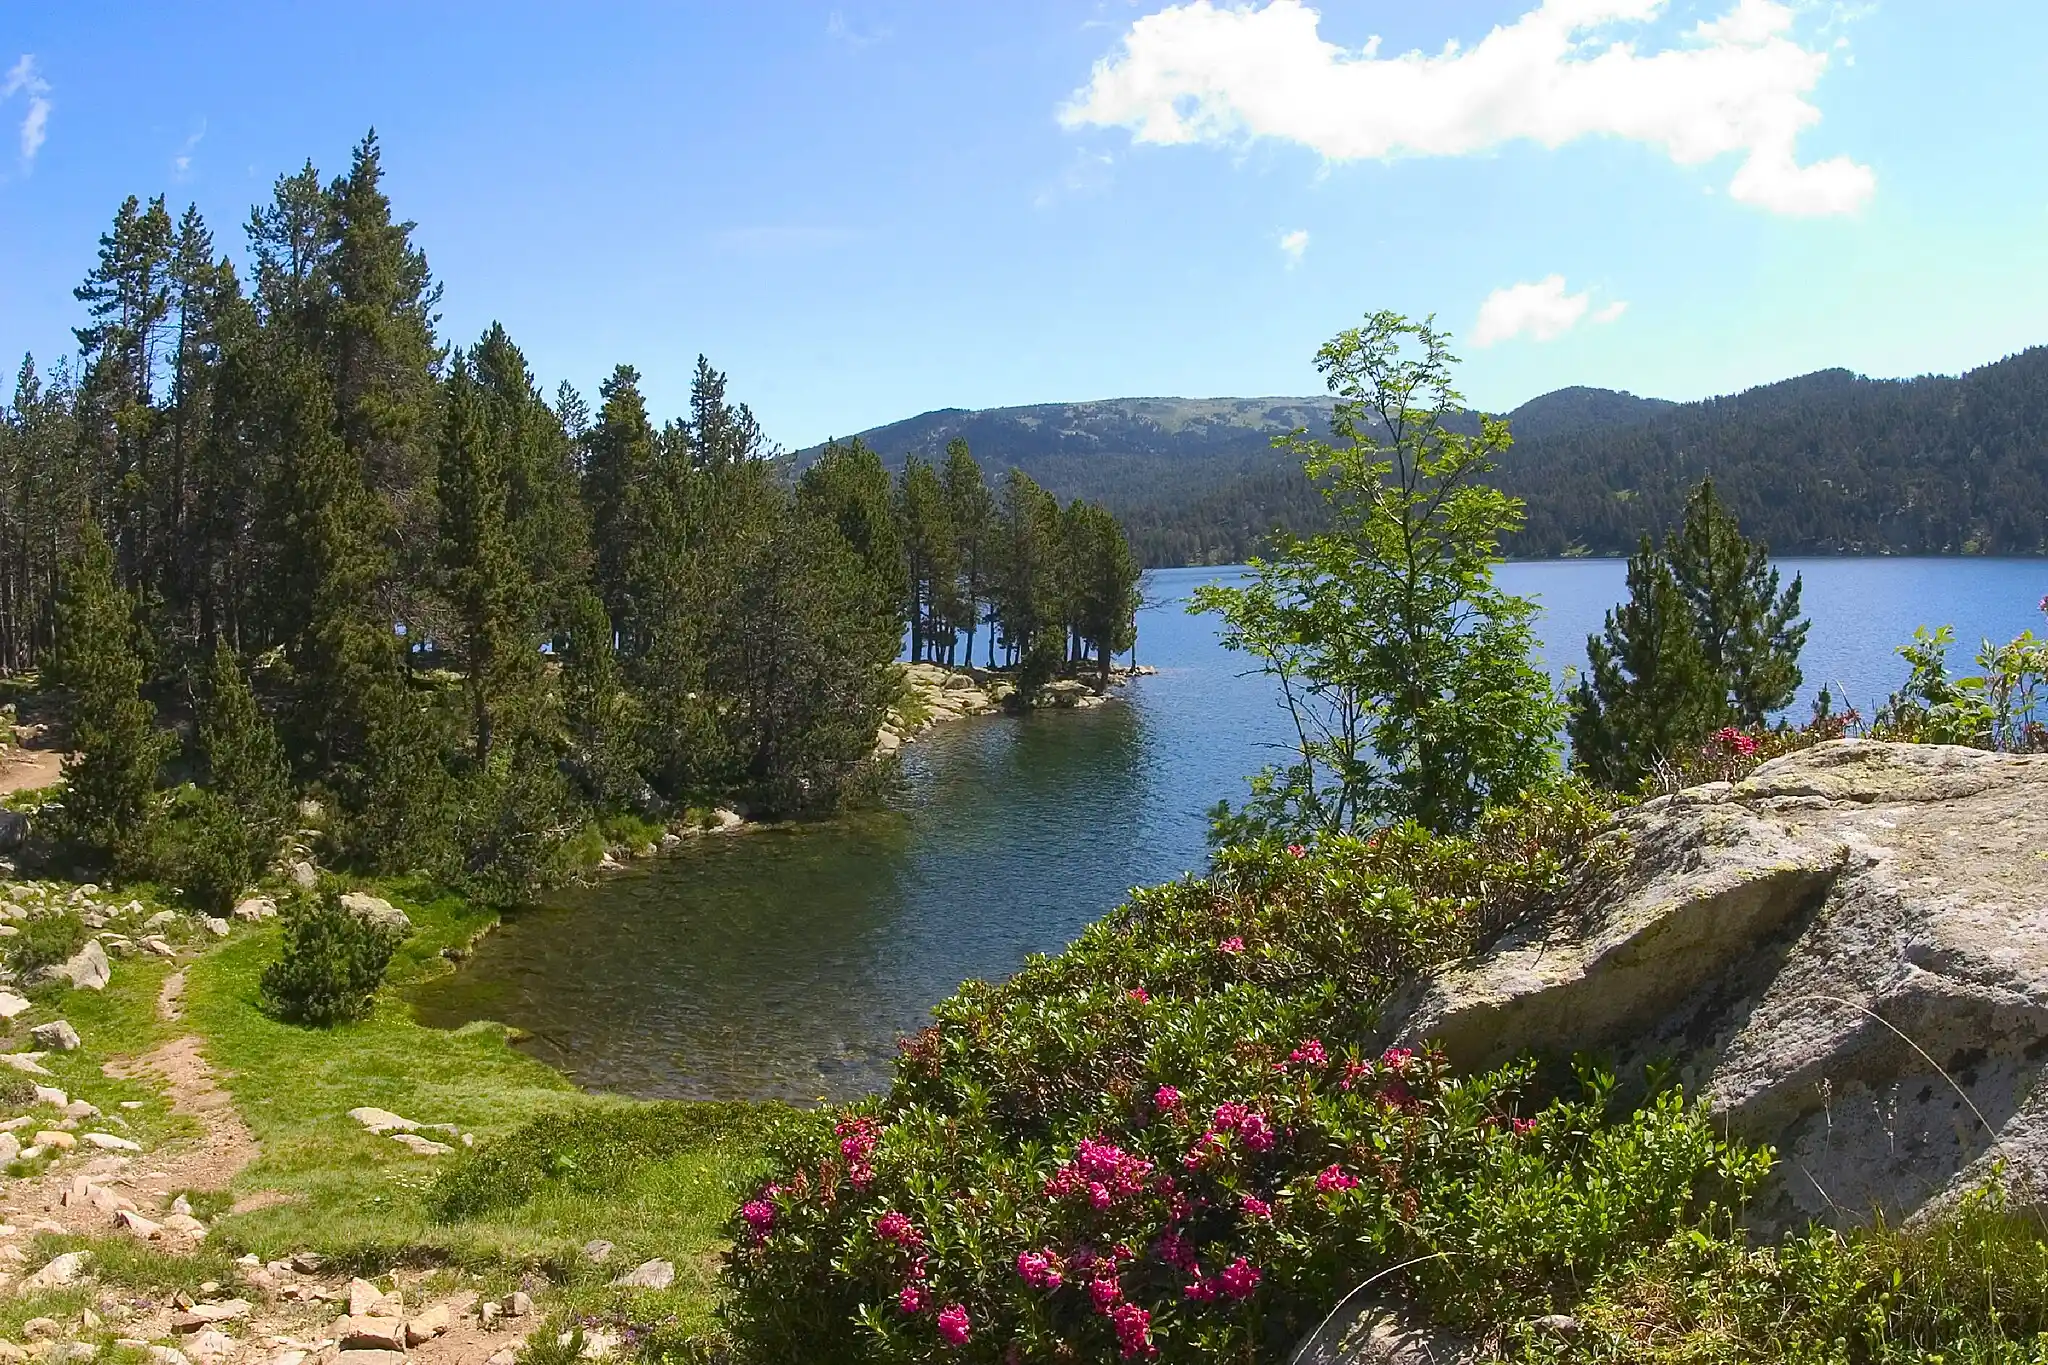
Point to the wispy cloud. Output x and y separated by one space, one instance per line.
842 31
1088 173
24 79
1738 84
181 164
1541 310
1294 245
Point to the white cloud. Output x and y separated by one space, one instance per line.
1541 310
181 164
1738 84
1293 245
23 79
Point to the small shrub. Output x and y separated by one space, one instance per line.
201 843
329 964
44 941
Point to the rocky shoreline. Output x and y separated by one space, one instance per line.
933 694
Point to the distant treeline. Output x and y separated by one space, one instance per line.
477 614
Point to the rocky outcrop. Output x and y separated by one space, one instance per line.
376 910
1846 955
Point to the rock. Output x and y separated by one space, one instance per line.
82 1109
55 1036
107 1142
648 1275
12 1004
362 1356
185 1225
370 1334
66 1352
1783 939
136 1225
207 1314
10 1148
375 910
303 875
159 946
251 909
31 1062
50 1095
168 1355
487 1314
362 1296
215 925
1379 1332
382 1121
428 1325
48 1138
504 1355
87 970
518 1304
307 1262
59 1271
289 1356
211 1345
420 1146
597 1251
160 921
35 1329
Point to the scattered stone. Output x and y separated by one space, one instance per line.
86 970
208 1314
362 1297
183 1205
50 1095
56 1036
518 1304
185 1225
370 1334
31 1062
428 1325
67 1352
303 876
307 1262
168 1355
382 1121
504 1355
81 1109
487 1314
161 920
159 947
597 1251
1557 1324
31 1153
215 925
375 910
368 1357
211 1345
52 1137
107 1142
289 1356
598 1344
253 909
10 1148
137 1225
648 1275
420 1146
12 1004
35 1329
60 1271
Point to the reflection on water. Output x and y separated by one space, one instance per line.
785 963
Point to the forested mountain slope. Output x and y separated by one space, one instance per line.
1828 463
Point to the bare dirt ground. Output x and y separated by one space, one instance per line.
22 769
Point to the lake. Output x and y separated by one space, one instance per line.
785 963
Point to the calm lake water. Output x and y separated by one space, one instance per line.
785 963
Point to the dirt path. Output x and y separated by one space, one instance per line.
22 769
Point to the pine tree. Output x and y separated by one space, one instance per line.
230 830
1105 584
603 719
1749 633
1648 694
1023 591
971 507
111 777
619 460
930 558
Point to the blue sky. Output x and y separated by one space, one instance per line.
866 209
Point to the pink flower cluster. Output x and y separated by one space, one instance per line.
1309 1053
1250 1126
857 1140
1166 1099
759 1215
912 1297
1133 1332
1138 994
1102 1171
896 1228
1256 1209
1332 1178
1040 1269
1238 1280
1734 741
1231 947
1296 851
954 1328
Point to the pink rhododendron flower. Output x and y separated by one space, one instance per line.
1256 1133
1255 1208
1165 1098
1734 741
1352 1071
1524 1126
1133 1332
1310 1053
911 1298
1397 1058
759 1215
1332 1178
954 1327
1176 1250
1239 1278
1105 1291
1200 1289
1231 946
894 1227
1039 1269
1296 851
1098 1194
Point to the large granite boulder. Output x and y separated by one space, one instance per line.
1847 955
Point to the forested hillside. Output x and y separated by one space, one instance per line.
1828 463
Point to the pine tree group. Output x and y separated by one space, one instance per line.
396 579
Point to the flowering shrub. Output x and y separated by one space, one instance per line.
1066 1171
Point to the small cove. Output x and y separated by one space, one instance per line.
785 963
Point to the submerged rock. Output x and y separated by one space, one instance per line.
1846 954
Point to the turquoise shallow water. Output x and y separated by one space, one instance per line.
786 963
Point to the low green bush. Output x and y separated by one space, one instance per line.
199 842
329 963
1168 1142
44 941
